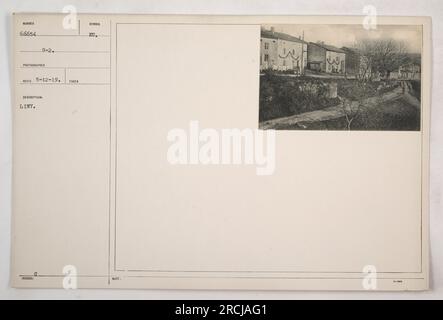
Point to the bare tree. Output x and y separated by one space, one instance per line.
383 55
364 74
353 101
350 109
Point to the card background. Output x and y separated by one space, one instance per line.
336 201
309 8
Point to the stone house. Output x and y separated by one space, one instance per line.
326 58
282 52
410 71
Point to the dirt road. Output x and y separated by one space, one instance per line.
336 111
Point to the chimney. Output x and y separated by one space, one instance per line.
272 29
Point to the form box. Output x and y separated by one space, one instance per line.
88 76
37 75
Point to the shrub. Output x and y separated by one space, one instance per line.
281 97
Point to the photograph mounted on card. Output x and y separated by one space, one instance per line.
220 152
340 77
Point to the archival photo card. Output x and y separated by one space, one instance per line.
144 155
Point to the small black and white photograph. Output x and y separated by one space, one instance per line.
340 77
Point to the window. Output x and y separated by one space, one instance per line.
266 45
293 51
266 57
284 50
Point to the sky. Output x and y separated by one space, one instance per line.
347 35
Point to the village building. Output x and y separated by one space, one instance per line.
356 64
326 58
282 52
410 71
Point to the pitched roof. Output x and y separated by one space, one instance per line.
280 35
351 50
328 47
